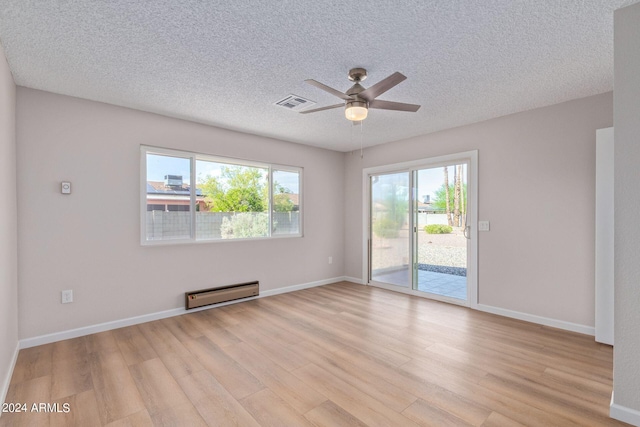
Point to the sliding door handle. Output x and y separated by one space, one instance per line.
467 232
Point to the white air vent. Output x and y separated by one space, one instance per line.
294 102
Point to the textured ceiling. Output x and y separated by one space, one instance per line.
225 63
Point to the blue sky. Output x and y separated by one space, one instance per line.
158 166
429 180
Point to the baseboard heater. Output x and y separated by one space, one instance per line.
223 294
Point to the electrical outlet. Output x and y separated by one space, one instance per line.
67 296
483 225
330 260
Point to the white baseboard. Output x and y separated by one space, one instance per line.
107 326
622 413
7 379
300 287
546 321
560 324
100 327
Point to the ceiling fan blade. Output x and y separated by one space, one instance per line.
331 90
382 86
389 105
321 109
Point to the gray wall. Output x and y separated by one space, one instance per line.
536 186
89 241
8 226
626 376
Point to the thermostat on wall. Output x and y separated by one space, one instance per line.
65 187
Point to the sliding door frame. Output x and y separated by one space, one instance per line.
471 157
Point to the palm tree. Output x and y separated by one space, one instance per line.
463 201
446 190
456 194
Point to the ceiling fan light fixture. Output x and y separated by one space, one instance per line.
356 111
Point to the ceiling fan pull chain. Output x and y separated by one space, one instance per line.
361 124
351 136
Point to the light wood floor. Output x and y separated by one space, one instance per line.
341 354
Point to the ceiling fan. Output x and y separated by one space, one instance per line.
358 100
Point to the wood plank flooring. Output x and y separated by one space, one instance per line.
341 354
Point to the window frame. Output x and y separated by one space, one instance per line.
193 158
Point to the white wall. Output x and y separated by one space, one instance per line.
89 241
536 186
605 221
626 375
8 226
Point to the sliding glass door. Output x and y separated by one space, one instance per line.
419 229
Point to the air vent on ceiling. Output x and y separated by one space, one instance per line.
294 102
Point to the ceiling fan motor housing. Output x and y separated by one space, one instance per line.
363 104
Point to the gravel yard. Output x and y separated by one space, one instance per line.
442 249
449 250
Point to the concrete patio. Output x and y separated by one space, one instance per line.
447 285
391 256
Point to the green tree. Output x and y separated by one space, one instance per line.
237 189
439 200
396 201
386 228
393 210
281 200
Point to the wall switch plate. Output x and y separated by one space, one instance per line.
65 187
67 296
483 225
330 260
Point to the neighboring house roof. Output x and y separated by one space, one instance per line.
158 187
428 207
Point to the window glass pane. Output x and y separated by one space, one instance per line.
286 202
390 241
232 201
168 197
